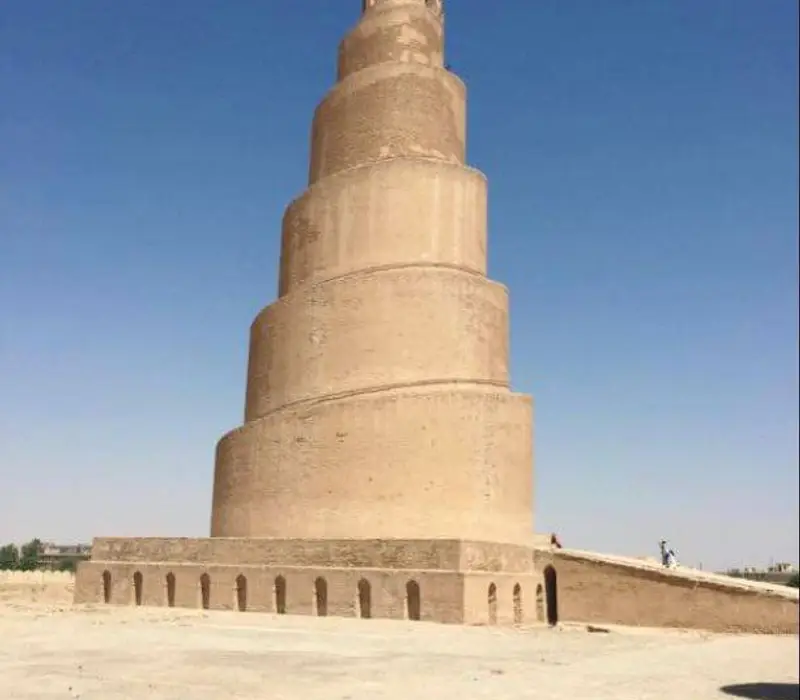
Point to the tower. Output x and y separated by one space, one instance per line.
384 467
377 401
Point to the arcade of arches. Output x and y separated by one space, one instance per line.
546 604
206 594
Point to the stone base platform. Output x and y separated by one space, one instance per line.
448 581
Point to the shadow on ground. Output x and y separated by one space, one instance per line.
763 691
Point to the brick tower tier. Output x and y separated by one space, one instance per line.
384 468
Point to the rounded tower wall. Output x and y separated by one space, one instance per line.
394 212
401 32
375 330
443 462
387 111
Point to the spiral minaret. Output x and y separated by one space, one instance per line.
378 402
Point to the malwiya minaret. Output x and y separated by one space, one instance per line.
377 389
381 444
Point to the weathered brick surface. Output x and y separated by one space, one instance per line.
432 555
442 461
388 111
440 594
361 219
336 338
403 33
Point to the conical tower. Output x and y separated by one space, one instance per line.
378 402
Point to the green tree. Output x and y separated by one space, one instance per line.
29 555
794 582
9 557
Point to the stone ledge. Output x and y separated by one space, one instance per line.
427 555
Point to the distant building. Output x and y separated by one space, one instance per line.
781 572
58 556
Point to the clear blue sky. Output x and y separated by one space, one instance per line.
643 168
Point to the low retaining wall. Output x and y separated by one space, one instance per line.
50 587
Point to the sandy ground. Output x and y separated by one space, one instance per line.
57 651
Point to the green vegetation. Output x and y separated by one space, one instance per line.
25 558
33 556
9 558
794 582
29 555
68 565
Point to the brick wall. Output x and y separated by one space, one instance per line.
300 591
458 581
